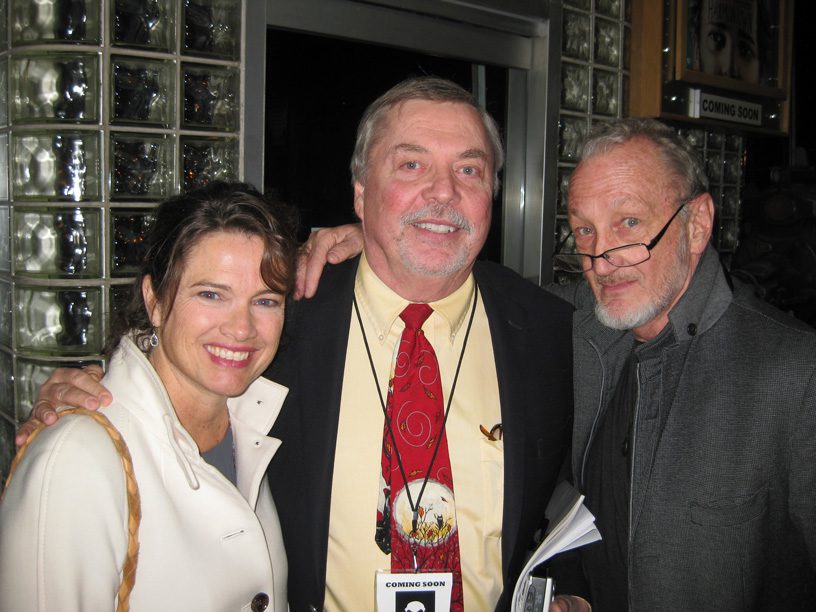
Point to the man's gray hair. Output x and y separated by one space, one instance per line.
432 89
678 156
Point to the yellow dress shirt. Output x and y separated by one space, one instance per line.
477 463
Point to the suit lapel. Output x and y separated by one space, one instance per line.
323 336
311 364
506 322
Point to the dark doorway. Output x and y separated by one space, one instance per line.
316 91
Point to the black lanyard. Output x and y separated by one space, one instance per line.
415 506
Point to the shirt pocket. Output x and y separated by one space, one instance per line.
729 511
492 464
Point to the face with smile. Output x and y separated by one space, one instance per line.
224 325
426 202
625 196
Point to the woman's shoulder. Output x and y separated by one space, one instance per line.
76 442
67 469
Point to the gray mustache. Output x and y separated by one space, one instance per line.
437 213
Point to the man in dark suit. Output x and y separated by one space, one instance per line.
424 174
425 170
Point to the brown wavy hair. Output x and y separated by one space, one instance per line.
181 222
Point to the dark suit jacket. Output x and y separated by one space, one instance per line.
531 334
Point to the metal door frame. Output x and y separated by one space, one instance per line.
527 46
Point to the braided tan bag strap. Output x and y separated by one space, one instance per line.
133 501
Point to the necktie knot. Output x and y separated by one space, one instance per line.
415 315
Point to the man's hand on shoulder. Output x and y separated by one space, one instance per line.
73 387
329 245
570 603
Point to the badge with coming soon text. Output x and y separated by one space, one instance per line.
413 592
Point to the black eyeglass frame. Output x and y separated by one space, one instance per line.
605 255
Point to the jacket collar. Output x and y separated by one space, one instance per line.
706 299
251 417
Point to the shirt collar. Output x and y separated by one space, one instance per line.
382 306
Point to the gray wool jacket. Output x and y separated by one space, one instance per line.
723 482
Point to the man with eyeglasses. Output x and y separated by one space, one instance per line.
695 419
694 436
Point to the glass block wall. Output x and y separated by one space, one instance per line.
724 157
106 107
594 87
594 82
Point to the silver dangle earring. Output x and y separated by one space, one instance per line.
154 339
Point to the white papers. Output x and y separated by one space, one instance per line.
570 525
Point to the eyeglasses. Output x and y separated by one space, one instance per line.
620 257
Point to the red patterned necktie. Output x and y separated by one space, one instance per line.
417 523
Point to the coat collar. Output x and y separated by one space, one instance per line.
251 417
706 299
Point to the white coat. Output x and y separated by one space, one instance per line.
204 545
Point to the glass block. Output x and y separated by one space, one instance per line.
142 166
5 313
30 375
571 134
574 87
119 296
730 202
6 385
564 239
55 21
210 97
3 91
607 43
213 27
563 189
733 142
732 168
4 167
57 242
208 159
714 166
58 321
576 35
560 277
7 448
715 194
581 4
610 8
696 138
55 87
4 27
729 235
129 234
143 91
5 240
149 24
716 140
605 93
56 166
